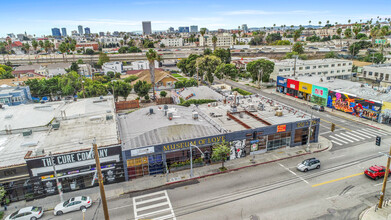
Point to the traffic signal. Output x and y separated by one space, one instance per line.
378 140
332 127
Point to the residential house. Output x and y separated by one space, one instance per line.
55 69
116 67
163 80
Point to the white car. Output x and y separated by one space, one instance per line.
27 213
73 204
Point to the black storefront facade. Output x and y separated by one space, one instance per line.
170 157
75 170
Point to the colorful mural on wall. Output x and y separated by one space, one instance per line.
353 105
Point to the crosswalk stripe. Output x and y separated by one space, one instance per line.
152 206
339 140
344 134
364 133
336 142
152 213
370 131
358 133
355 135
378 131
151 200
344 138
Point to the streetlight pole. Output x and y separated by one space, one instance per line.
59 187
383 190
191 158
309 133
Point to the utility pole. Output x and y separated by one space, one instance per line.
101 187
383 190
294 67
191 158
59 187
309 133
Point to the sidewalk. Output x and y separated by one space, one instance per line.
149 182
373 213
334 112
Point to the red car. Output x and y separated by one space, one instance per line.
376 172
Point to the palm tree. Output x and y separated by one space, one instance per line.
214 41
327 23
34 43
356 29
239 32
339 32
320 23
202 32
26 47
374 34
152 56
234 38
126 37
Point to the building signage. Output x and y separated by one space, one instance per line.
305 87
142 151
281 128
306 123
281 81
198 142
319 91
72 157
293 84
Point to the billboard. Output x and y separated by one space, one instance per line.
354 105
293 84
319 91
281 81
305 87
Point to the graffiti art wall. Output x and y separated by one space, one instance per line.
353 105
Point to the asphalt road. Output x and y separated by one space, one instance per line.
338 190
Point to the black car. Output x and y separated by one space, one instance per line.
318 108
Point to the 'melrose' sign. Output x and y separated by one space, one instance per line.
319 92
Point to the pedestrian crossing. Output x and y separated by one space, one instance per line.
359 135
155 206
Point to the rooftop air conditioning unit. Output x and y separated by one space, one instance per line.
27 133
56 125
109 117
195 115
278 113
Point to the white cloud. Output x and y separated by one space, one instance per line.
261 12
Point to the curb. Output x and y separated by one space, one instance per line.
364 212
239 168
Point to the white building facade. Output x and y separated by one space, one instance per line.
330 68
223 40
172 42
378 72
115 67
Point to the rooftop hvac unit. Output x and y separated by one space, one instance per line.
109 117
56 125
278 113
251 108
170 115
195 115
27 133
150 111
165 107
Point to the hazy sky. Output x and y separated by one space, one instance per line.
39 16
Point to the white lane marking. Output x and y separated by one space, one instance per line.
120 207
355 135
381 183
346 135
344 138
339 140
365 133
359 133
337 156
336 142
294 173
332 197
169 203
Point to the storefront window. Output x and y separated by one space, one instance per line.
278 140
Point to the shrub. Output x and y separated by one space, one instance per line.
163 93
241 91
187 103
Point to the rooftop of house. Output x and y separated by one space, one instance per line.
145 75
291 62
17 81
385 66
79 123
201 92
152 126
27 67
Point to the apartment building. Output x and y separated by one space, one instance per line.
380 72
223 40
330 68
172 42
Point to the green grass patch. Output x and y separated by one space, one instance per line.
241 91
177 75
187 103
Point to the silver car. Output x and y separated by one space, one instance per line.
73 204
309 164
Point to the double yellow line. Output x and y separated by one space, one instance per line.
335 124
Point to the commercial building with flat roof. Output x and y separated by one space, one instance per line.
158 139
67 129
378 72
147 28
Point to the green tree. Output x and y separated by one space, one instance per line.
133 49
207 51
296 34
152 56
202 32
348 33
260 69
207 66
34 43
162 45
221 153
226 70
89 52
163 94
257 40
142 88
103 58
63 49
130 78
123 50
273 37
74 67
188 65
110 74
356 29
223 54
331 54
80 61
298 48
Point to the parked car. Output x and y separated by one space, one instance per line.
27 213
376 172
318 108
73 204
308 164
